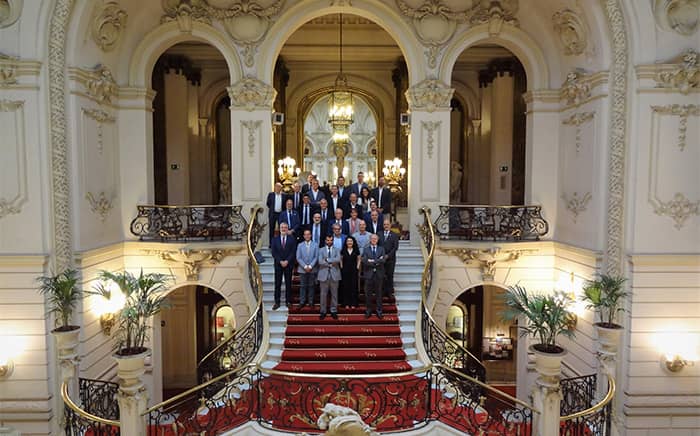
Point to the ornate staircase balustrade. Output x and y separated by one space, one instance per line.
580 416
496 223
189 223
78 421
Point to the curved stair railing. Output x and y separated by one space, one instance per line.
244 344
79 421
594 419
439 346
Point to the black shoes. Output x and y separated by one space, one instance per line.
367 315
275 306
334 315
322 316
379 315
302 305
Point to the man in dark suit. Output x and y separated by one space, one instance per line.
315 193
373 259
319 230
296 195
284 248
374 219
275 205
324 210
353 204
356 187
306 213
335 201
390 242
382 195
307 185
338 219
290 217
343 191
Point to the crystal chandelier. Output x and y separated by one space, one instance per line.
340 104
288 172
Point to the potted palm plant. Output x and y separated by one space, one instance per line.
604 296
144 296
547 317
63 295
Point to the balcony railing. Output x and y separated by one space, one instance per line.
491 223
189 223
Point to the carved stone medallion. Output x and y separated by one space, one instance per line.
571 30
680 16
107 25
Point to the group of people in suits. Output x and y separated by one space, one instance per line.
332 240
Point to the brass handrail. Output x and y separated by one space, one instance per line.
505 206
596 407
89 416
426 211
251 254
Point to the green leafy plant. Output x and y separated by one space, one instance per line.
604 296
63 296
144 296
547 316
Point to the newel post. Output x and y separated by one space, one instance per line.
547 394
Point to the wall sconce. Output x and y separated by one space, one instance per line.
10 347
676 363
107 321
7 367
109 302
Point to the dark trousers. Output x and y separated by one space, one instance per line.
373 293
308 286
271 221
389 277
287 273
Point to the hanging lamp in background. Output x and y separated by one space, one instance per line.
340 103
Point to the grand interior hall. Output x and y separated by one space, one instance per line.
350 217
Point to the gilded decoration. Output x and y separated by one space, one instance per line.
682 111
679 208
683 75
486 258
429 95
99 83
576 88
575 204
252 126
251 93
572 31
192 260
11 200
107 25
430 127
680 16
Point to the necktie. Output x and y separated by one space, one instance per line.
307 248
296 199
374 251
323 215
289 218
329 251
380 198
386 235
284 240
316 233
306 214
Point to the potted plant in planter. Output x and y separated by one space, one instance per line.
547 317
604 296
144 296
63 295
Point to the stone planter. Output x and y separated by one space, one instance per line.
132 395
67 342
608 344
546 395
548 365
608 338
130 369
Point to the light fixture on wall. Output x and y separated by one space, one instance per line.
110 300
678 350
676 363
9 349
340 103
287 171
7 367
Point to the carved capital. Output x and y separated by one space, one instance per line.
576 88
572 31
193 259
251 93
683 74
429 95
107 25
486 258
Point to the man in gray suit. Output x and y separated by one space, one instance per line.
307 259
390 242
373 259
329 276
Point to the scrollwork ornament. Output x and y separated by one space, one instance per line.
680 16
572 31
107 25
251 93
685 76
10 10
100 204
575 204
680 208
430 127
576 88
429 95
99 83
8 70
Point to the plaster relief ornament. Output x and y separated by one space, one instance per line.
680 16
251 93
429 95
576 88
435 21
8 70
10 10
571 30
684 76
100 85
107 25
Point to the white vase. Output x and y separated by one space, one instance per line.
130 369
608 338
548 365
67 342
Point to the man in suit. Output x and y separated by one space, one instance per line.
356 187
315 193
275 205
335 201
374 219
290 217
390 242
306 213
329 276
307 258
383 196
323 209
296 195
338 237
353 204
373 259
307 185
338 219
284 249
319 230
343 191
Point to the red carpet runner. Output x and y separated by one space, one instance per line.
349 345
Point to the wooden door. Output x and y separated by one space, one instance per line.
178 332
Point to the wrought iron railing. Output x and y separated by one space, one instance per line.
387 402
496 223
189 223
578 393
593 420
439 346
78 422
242 346
99 398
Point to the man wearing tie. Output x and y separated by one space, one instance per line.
373 260
284 249
353 204
326 214
329 276
335 201
306 213
383 196
343 191
315 193
356 187
319 231
291 218
374 220
275 204
338 219
390 242
296 195
307 258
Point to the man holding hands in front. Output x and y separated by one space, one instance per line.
284 248
307 257
373 259
329 276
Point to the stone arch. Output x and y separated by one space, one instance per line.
380 12
517 41
469 96
166 35
211 96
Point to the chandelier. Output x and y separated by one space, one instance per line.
340 104
288 172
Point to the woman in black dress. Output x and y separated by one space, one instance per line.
349 266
